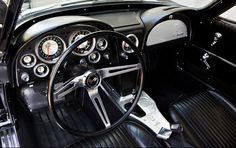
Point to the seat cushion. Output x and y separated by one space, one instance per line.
129 134
208 119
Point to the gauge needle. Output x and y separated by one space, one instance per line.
48 49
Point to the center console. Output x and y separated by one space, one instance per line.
147 113
152 117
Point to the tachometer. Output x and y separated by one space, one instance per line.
85 48
50 49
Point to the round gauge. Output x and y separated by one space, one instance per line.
133 38
28 60
85 48
50 49
94 57
41 70
102 44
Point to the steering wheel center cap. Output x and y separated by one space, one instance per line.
93 80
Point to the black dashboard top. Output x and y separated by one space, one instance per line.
120 19
59 22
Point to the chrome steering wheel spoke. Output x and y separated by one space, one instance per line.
99 106
68 86
112 95
117 70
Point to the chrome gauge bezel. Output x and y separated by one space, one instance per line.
136 43
106 44
55 59
98 59
28 66
72 36
44 75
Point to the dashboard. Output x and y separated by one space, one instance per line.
42 43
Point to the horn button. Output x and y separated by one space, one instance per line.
93 80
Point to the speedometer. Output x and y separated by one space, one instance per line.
85 48
50 49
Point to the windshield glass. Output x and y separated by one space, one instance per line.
194 3
36 5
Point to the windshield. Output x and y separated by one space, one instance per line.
36 5
194 3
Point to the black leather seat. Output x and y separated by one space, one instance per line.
129 134
208 119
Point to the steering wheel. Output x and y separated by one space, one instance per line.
91 81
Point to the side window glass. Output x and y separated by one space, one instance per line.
230 14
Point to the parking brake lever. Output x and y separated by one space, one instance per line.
176 128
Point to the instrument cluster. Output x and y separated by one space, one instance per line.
38 58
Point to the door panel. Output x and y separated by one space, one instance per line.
226 46
213 60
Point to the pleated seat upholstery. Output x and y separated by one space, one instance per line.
129 134
208 119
